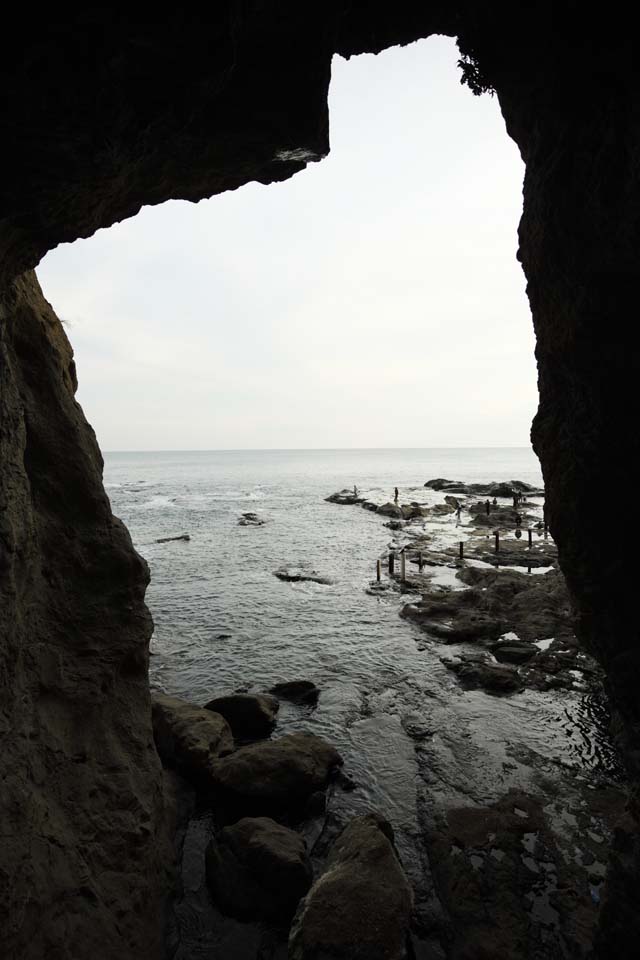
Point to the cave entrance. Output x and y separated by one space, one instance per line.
372 301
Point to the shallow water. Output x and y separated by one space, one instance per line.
410 737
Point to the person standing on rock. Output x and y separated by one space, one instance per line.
487 507
395 494
355 490
458 512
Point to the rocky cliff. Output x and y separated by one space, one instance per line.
102 113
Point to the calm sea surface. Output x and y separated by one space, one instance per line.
411 738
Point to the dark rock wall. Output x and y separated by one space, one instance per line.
102 114
81 803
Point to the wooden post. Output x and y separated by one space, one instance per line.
420 564
462 550
497 535
529 568
530 533
392 558
403 571
378 570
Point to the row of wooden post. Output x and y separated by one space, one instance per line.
392 556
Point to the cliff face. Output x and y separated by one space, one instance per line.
81 798
101 115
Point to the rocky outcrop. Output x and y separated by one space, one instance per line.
276 775
360 907
249 715
258 869
189 738
250 520
491 489
301 573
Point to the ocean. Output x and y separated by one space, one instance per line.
412 739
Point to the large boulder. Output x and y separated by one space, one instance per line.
345 497
276 775
297 691
250 716
389 510
258 869
474 672
360 907
300 573
188 737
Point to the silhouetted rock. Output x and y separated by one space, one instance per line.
249 715
182 536
258 869
360 907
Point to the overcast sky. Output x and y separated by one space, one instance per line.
374 300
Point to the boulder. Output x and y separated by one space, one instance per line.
297 691
345 497
250 716
455 486
300 573
258 870
360 907
514 651
188 737
389 510
411 511
493 677
250 520
276 775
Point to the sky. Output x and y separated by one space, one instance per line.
373 300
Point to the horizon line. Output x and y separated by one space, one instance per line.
482 446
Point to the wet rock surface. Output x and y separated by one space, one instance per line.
360 907
251 520
258 869
249 715
506 635
301 573
276 775
189 738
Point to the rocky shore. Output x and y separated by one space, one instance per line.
520 874
294 859
345 898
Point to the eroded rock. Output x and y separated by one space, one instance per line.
360 907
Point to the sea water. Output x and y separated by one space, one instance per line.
411 738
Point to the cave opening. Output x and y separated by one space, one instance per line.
74 624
